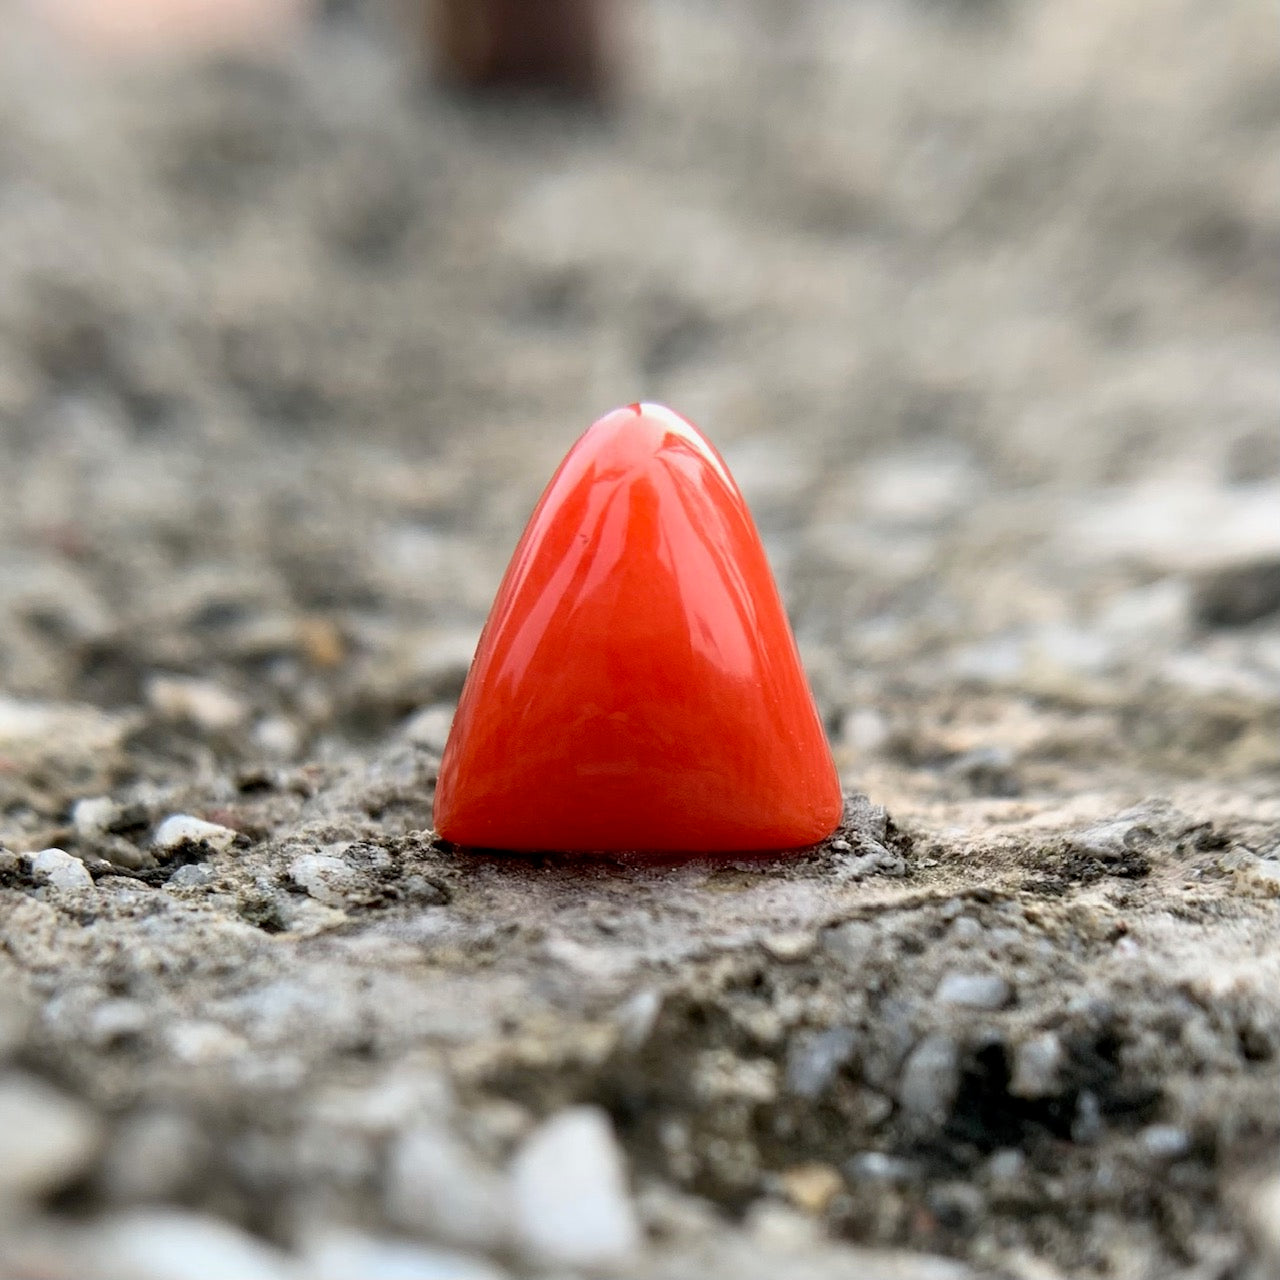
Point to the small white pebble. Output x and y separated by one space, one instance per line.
876 1166
1165 1141
636 1017
865 729
430 727
277 737
93 815
973 990
181 828
1087 1125
1263 1203
323 877
60 870
46 1138
1036 1066
572 1208
198 1042
202 702
437 1187
789 947
350 1255
172 1244
152 1155
1007 1165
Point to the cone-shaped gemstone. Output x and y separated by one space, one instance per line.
637 685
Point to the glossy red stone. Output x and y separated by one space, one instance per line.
637 685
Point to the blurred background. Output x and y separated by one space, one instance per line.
301 302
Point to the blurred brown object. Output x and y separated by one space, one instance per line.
559 46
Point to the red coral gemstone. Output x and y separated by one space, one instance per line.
637 685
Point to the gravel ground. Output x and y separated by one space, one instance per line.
981 301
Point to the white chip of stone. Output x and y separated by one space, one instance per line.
198 1042
1037 1063
636 1018
182 828
58 729
1263 1203
572 1208
46 1138
151 1156
168 1244
60 870
789 947
323 877
437 1188
1165 1141
351 1255
202 702
865 729
430 727
93 815
278 737
16 1015
973 990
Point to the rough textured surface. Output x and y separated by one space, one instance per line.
981 301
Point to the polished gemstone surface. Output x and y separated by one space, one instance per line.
637 685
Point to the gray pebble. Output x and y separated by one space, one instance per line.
1087 1125
957 1205
192 876
1237 595
876 1108
877 1166
987 771
930 1079
1127 832
814 1060
873 860
1007 1166
869 820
